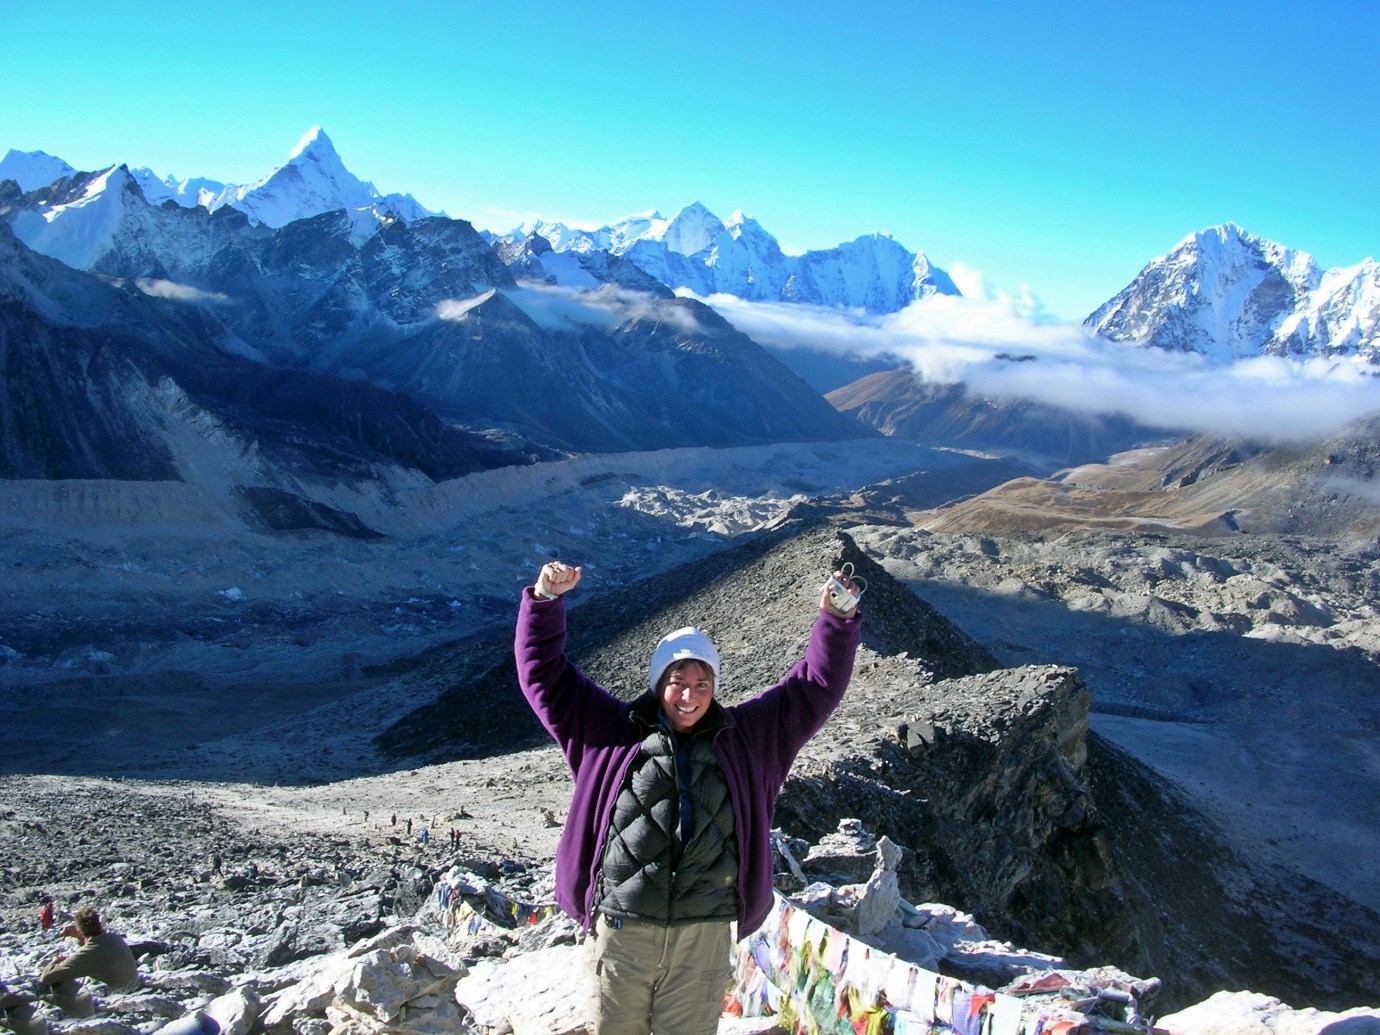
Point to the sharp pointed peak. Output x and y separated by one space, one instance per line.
313 140
1219 232
695 208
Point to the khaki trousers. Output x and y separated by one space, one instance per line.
646 979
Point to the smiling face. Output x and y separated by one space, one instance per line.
686 689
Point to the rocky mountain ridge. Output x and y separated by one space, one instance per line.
474 328
109 381
1222 292
1230 295
422 317
899 402
985 776
697 251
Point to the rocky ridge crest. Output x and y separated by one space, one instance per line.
985 776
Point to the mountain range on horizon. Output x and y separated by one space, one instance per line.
163 342
692 250
306 323
1220 292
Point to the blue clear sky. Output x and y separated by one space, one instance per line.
1060 145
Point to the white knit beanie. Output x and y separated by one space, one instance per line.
683 645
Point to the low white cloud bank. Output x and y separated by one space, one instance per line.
176 292
561 309
458 308
1000 346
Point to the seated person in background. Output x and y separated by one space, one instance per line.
103 956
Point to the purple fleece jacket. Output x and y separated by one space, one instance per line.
755 748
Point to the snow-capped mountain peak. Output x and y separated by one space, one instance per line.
316 158
740 226
315 140
189 193
313 180
1229 295
81 227
630 229
33 169
695 250
690 230
1227 247
564 238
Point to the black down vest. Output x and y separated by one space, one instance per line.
649 871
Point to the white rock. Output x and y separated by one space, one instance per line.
948 925
914 946
311 994
381 983
194 1023
438 1016
1251 1013
880 897
537 993
236 1012
372 984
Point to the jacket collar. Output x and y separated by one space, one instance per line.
645 711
